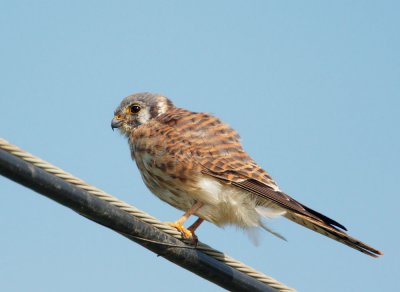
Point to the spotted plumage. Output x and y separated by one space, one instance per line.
196 163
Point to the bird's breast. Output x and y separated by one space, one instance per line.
165 176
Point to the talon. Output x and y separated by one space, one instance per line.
194 239
186 233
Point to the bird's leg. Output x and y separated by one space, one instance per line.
193 227
178 224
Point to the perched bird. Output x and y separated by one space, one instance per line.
196 163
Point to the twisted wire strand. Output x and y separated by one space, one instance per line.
218 255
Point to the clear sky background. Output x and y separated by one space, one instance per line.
312 87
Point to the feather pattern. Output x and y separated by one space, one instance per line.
186 157
225 159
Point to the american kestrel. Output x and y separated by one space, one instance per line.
196 163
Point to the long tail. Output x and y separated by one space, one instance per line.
332 232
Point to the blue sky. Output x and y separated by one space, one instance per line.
313 88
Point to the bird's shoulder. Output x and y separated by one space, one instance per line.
206 135
214 145
198 125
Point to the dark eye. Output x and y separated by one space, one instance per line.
134 109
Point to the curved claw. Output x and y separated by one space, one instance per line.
186 233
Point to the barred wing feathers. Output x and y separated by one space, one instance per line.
216 149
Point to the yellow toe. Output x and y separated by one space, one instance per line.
186 233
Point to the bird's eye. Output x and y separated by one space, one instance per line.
134 109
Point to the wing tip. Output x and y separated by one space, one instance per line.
373 253
324 218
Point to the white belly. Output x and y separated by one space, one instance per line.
228 205
223 204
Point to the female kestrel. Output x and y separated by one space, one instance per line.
196 163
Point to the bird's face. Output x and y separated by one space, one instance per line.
138 109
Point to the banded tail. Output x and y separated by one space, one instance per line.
332 232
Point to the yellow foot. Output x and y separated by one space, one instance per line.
186 233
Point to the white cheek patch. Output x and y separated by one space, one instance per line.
144 116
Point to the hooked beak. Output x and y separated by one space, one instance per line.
116 123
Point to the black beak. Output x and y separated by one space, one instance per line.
115 123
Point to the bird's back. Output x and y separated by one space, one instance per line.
214 145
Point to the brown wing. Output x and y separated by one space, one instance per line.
216 147
283 200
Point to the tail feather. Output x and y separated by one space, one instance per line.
332 232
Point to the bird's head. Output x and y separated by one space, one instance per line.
138 109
